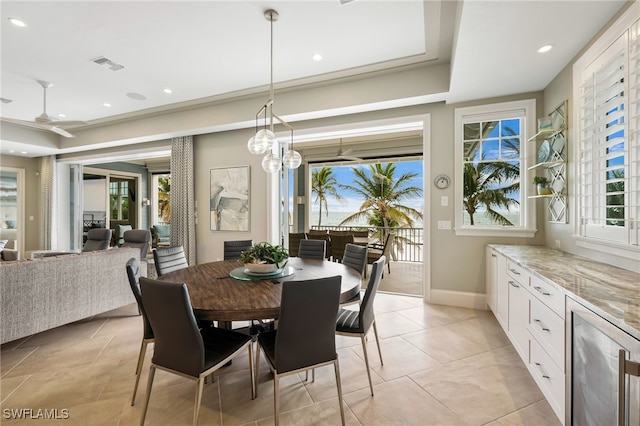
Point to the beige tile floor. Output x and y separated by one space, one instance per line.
442 366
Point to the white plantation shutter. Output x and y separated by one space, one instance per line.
608 142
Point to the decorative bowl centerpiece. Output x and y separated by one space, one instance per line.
264 258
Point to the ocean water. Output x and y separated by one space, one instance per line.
335 218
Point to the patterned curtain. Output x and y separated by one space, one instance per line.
47 202
183 226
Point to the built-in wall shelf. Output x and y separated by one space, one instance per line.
551 144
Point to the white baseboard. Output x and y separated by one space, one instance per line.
458 298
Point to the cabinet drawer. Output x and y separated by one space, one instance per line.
548 328
548 294
518 273
548 376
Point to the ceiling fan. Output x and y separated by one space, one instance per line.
44 121
346 154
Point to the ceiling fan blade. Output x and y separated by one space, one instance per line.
350 158
26 123
68 123
60 131
40 126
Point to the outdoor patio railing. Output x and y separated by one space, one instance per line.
408 241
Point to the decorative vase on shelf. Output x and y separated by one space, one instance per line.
543 189
542 184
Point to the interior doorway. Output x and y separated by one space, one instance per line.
110 200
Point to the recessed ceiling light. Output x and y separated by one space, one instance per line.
17 22
107 104
62 115
168 91
317 57
545 48
23 152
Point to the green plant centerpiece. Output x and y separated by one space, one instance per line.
264 258
542 184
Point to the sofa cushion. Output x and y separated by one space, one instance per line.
163 231
8 254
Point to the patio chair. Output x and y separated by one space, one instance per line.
376 251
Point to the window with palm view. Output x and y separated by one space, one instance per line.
491 171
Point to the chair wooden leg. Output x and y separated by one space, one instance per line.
366 361
143 350
152 372
196 407
375 331
336 368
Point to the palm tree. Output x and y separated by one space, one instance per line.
164 198
484 185
383 194
324 184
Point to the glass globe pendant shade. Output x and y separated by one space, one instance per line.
254 147
266 138
271 163
292 159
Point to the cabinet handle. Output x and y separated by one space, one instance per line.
514 271
514 284
540 290
541 324
541 370
624 367
493 255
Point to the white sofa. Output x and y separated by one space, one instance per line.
37 295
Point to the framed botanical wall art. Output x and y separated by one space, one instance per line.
230 201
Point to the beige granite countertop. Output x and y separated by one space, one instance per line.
611 292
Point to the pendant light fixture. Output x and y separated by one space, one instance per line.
265 139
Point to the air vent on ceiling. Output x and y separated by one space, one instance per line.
104 61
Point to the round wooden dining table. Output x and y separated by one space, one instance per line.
216 296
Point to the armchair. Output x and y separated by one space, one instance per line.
160 235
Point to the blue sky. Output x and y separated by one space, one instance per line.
352 200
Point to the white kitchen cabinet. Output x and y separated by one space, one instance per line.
529 310
519 318
491 278
502 292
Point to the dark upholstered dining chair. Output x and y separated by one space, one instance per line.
169 259
358 323
305 337
355 256
133 273
97 239
312 249
138 238
314 234
232 249
180 346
